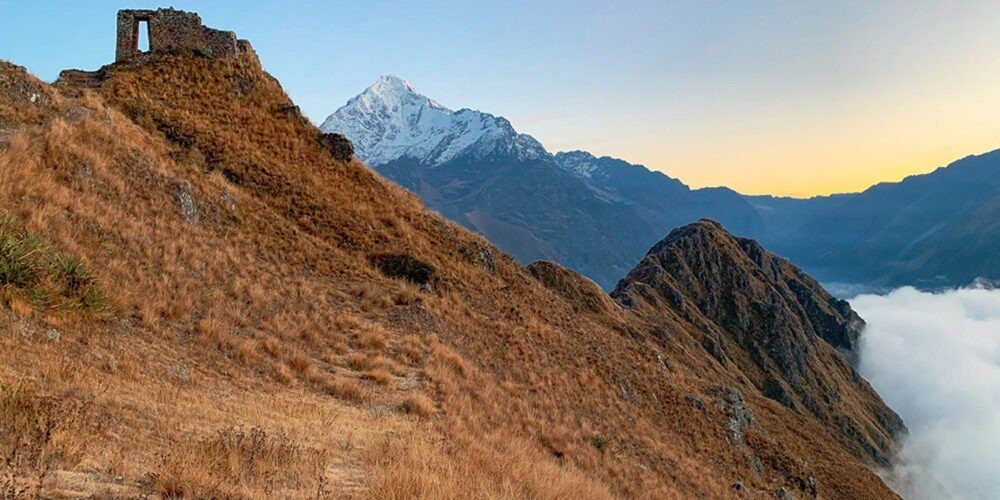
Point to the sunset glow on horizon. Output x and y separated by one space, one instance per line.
780 97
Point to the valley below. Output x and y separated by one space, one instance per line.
935 358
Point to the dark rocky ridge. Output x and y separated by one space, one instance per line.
768 320
338 145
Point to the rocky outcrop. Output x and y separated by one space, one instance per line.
72 82
339 146
24 99
766 319
18 87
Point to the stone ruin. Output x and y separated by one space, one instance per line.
173 31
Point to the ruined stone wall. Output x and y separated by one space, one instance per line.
173 31
128 33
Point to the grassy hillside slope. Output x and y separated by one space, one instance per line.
255 336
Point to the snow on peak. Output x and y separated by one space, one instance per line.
393 81
390 120
579 163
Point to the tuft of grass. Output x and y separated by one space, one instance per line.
301 363
380 376
20 257
233 462
35 438
599 442
73 273
283 374
358 361
373 338
77 283
417 404
346 389
412 350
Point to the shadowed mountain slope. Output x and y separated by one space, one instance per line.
598 215
594 215
932 230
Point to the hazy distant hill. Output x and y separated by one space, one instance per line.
595 215
937 229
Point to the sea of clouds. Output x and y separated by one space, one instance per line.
935 359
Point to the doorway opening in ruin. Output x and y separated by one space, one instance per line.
142 26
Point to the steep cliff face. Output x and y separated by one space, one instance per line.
768 321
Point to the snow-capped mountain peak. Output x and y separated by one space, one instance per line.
391 120
393 81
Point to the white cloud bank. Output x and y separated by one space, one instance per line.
935 359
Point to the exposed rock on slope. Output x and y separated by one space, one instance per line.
769 321
340 147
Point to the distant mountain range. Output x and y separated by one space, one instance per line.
599 215
932 230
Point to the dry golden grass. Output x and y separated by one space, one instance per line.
380 376
37 435
265 311
241 463
344 388
162 434
417 404
372 338
413 467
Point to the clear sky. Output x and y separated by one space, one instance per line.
782 97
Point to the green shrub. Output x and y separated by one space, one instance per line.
404 266
30 268
72 273
78 288
93 299
19 256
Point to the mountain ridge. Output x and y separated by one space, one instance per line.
794 339
410 125
929 230
597 219
633 205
